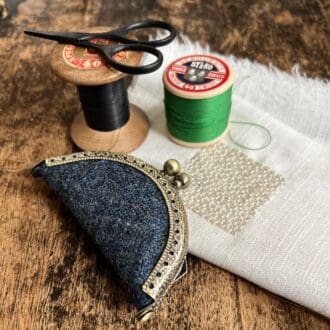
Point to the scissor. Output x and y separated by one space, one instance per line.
119 35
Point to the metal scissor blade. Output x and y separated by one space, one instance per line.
62 37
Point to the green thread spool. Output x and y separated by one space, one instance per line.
197 99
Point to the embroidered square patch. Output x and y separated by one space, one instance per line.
228 187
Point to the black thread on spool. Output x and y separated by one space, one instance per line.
105 107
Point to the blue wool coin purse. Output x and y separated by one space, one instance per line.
132 212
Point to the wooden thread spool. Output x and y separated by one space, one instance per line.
84 68
194 85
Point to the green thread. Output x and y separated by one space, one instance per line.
202 120
263 146
197 120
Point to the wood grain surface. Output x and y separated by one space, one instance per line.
50 274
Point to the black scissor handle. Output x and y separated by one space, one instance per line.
110 51
120 34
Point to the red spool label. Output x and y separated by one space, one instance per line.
197 73
88 58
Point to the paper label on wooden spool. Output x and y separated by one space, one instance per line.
84 66
87 58
198 76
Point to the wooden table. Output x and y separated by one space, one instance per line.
50 275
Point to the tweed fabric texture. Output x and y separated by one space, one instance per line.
122 210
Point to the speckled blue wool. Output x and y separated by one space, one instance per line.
123 211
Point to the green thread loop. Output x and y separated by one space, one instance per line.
263 146
197 120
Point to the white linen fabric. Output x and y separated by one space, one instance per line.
285 247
